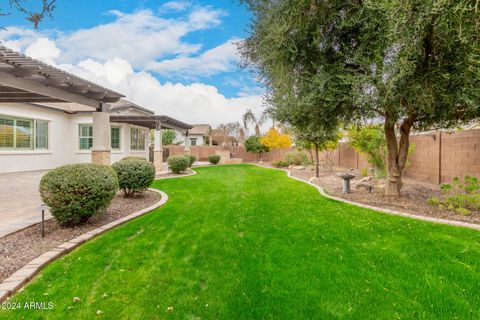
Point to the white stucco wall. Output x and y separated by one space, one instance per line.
63 140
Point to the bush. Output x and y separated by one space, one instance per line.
461 196
280 164
296 158
134 174
253 145
178 164
191 160
76 192
214 158
364 171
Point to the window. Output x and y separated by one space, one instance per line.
23 134
137 139
193 141
85 134
41 134
115 138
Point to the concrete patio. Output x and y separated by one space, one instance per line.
19 200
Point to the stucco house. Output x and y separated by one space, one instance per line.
198 135
49 118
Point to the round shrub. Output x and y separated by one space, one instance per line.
76 192
280 164
178 164
214 158
191 160
134 175
296 158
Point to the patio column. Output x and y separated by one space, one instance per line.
187 143
101 138
157 148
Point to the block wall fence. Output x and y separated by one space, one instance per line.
439 156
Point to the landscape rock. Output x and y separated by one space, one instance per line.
366 179
363 187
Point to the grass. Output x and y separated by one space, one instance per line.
243 242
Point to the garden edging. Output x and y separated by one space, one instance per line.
382 210
18 279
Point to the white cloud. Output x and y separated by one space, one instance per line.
174 6
146 40
43 49
121 54
219 59
193 103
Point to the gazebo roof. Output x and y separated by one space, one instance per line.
24 79
152 121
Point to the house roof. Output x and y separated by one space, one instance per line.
152 121
124 104
24 79
199 130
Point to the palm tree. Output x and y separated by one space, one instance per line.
250 117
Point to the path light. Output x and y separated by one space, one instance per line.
42 208
346 181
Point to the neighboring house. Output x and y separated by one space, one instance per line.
50 118
198 135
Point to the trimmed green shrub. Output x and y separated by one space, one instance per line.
134 175
178 164
76 192
214 158
280 163
191 160
296 158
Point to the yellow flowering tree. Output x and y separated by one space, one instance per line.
273 139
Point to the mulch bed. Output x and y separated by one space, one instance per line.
19 248
170 175
414 197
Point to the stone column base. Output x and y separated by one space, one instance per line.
101 157
158 160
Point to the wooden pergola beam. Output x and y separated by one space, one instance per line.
49 92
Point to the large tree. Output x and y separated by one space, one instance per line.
407 63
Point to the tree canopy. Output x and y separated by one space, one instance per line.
405 63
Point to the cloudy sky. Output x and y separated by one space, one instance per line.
178 58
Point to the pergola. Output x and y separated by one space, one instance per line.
156 122
23 79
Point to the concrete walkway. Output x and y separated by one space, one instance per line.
19 200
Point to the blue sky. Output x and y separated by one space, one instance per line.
180 53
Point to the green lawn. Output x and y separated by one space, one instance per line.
243 242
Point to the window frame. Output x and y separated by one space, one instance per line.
193 141
119 138
134 143
32 132
80 136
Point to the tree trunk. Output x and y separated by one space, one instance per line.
317 162
396 154
311 155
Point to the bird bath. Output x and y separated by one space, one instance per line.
346 181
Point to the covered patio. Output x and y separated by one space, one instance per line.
157 123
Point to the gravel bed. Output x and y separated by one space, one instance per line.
19 248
